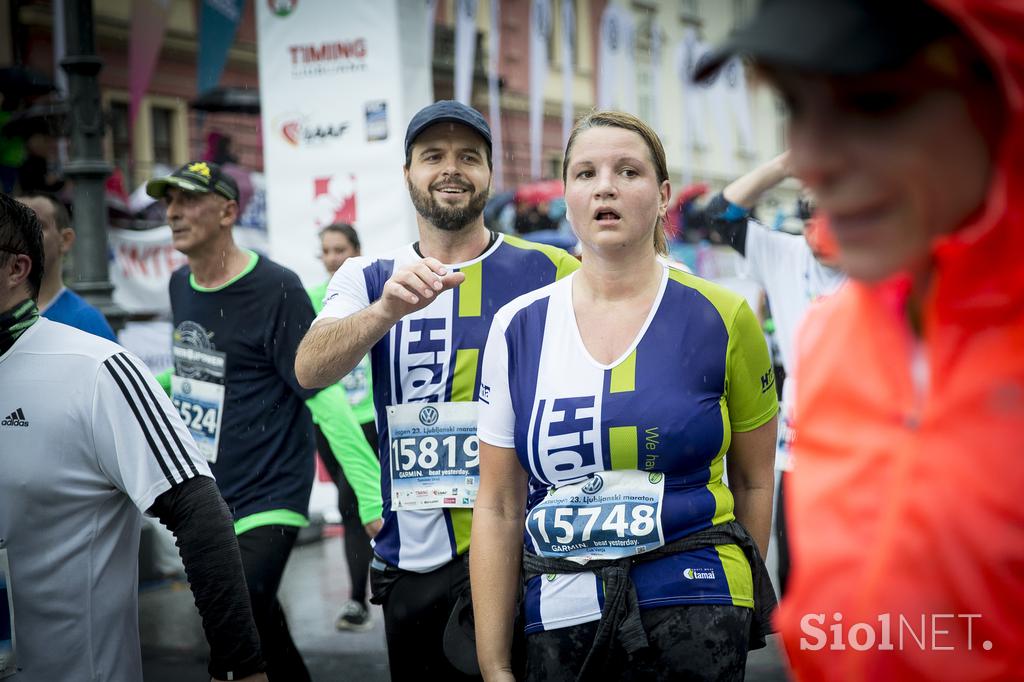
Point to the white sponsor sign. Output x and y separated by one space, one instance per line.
337 80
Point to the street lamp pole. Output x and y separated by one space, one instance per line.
86 166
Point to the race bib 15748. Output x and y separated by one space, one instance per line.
609 515
435 455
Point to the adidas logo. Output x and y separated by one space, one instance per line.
16 418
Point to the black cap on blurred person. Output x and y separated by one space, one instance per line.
197 176
449 111
833 37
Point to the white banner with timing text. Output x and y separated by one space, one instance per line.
337 84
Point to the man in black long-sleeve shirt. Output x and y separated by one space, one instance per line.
87 441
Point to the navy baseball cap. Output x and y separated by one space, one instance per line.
832 37
197 176
449 111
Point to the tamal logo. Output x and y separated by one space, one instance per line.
282 8
296 131
328 57
594 485
428 416
699 573
334 200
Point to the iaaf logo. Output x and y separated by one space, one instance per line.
296 130
334 199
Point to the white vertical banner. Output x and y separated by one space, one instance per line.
568 65
431 16
336 89
465 49
735 81
656 52
494 95
540 30
616 60
694 133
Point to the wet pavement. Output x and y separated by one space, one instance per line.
314 587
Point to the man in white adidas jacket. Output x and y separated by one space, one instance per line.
88 440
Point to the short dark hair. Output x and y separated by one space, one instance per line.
61 215
345 230
21 233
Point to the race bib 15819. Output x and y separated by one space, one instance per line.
435 455
609 515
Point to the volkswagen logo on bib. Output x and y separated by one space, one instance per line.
428 416
593 485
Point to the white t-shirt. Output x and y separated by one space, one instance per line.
792 278
95 442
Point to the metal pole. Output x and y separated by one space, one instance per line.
86 167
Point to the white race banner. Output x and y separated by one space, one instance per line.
494 95
140 269
337 84
568 67
465 49
616 60
540 30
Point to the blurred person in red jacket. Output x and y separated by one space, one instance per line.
906 120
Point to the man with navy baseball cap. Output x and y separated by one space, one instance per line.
423 313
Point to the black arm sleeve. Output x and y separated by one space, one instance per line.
732 232
197 515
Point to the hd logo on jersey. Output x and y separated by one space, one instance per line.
424 352
567 438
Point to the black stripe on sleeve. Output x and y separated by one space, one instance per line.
138 416
182 450
141 392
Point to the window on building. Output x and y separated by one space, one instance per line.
163 135
121 141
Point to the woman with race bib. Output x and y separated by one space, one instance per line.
338 243
612 403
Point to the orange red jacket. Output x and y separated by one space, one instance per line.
906 501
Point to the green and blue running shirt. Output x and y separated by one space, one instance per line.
626 457
433 355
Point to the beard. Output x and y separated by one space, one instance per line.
448 218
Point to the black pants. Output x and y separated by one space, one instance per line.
416 610
265 552
357 544
699 642
781 536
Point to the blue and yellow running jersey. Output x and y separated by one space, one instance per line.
433 355
661 416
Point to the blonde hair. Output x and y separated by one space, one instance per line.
620 119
